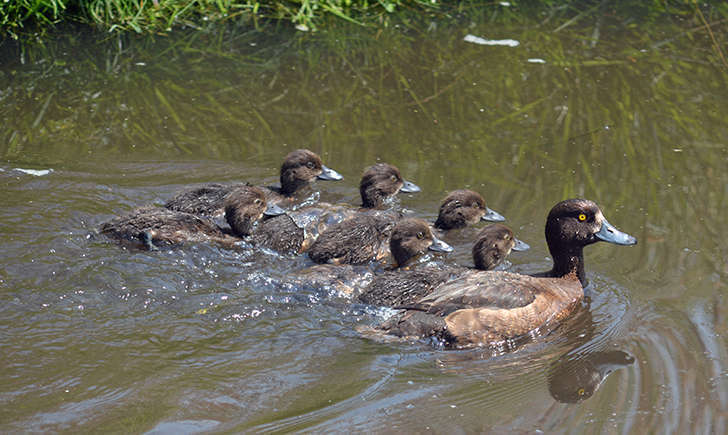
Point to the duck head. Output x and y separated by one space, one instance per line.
381 182
573 224
244 206
411 237
463 207
300 167
493 244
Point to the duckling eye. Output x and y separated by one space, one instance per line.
582 217
310 165
257 201
581 390
420 235
458 203
393 177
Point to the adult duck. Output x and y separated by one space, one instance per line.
492 308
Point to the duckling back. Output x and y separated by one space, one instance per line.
147 227
357 240
206 200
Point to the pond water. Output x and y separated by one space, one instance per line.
200 338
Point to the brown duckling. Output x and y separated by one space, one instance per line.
296 231
493 244
149 227
380 183
393 288
462 208
299 168
492 308
411 238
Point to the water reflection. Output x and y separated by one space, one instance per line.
574 378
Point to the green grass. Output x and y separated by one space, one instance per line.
34 17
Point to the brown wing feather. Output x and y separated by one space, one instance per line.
489 308
480 289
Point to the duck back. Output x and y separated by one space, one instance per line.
161 226
206 200
359 239
403 287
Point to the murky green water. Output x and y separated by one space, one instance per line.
97 338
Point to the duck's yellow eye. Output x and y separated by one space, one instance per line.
582 217
420 235
581 390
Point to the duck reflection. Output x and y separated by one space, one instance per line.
576 377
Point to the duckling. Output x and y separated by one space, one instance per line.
380 182
411 238
299 168
493 244
464 207
296 231
493 308
149 227
394 288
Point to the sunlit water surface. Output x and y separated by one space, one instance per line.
199 338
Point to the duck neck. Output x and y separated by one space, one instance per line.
569 261
241 225
289 185
372 200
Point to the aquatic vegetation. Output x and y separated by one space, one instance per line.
161 16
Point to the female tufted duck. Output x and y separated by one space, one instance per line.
492 308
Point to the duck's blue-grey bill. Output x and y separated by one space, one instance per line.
612 235
410 187
273 210
520 245
329 174
492 216
439 246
